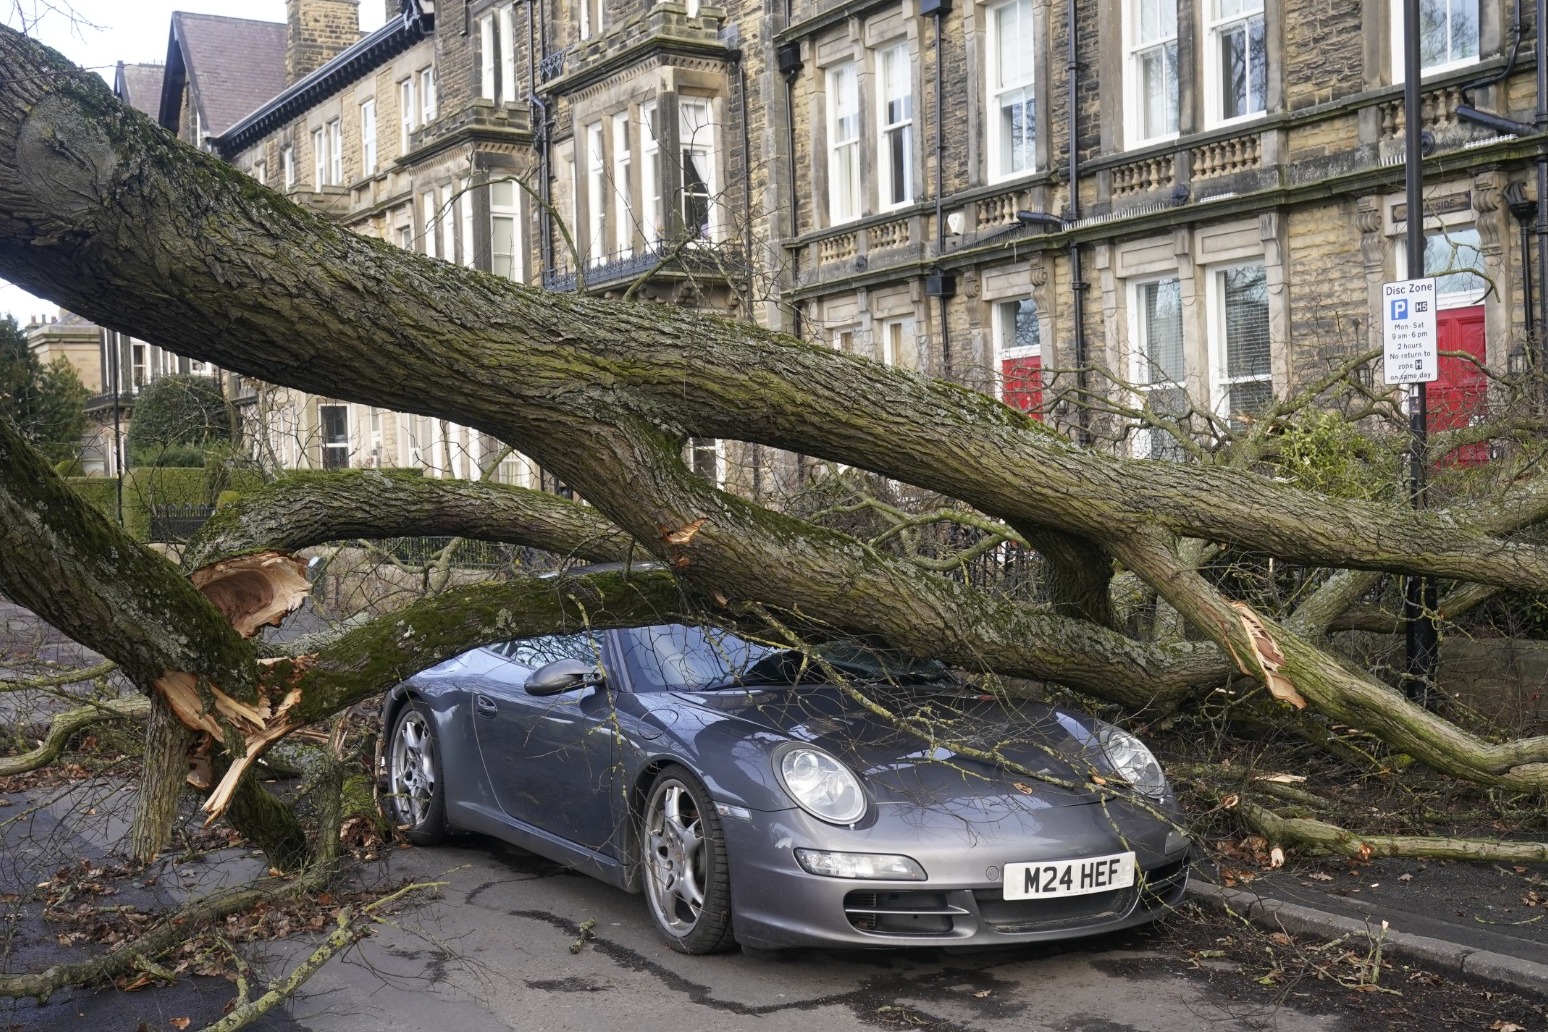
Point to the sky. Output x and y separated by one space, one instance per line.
108 31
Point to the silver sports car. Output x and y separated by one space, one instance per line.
776 799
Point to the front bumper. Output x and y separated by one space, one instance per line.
775 903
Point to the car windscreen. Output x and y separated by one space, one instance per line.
672 657
676 658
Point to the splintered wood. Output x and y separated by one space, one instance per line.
1270 660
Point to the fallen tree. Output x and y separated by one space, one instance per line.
115 220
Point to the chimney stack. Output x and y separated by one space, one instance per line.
393 11
315 31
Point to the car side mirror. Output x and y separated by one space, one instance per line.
563 675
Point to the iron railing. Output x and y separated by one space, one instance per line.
177 523
722 260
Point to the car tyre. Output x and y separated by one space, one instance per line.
687 884
415 796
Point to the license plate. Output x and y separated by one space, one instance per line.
1069 877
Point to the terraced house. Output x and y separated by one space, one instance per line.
1237 199
1175 203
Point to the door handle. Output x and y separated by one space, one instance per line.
483 705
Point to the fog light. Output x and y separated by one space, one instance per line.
872 866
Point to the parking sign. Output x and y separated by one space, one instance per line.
1408 331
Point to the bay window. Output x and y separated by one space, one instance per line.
696 134
623 218
596 246
505 251
650 176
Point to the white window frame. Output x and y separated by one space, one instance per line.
1217 25
1220 379
500 210
696 140
623 180
652 216
288 166
1154 443
428 216
261 172
405 113
1397 21
715 448
508 54
465 217
328 447
1141 48
368 136
843 83
895 335
1001 84
894 127
447 215
486 57
429 99
319 158
335 152
596 189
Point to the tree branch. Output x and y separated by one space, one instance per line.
303 509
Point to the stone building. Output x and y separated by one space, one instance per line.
895 179
1238 200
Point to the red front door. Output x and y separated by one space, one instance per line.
1022 380
1461 394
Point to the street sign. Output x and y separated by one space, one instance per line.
1408 330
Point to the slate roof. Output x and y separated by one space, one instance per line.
139 86
232 65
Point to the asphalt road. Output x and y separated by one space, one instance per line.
494 952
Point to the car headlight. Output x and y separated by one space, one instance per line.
869 866
821 785
1132 760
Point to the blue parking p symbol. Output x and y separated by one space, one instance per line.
1399 309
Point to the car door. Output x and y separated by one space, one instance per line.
549 759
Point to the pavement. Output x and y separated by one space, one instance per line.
1479 919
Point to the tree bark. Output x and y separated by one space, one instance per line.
164 772
303 509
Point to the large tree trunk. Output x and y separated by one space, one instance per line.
119 222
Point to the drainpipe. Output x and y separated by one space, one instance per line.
1077 283
545 216
943 283
1541 59
789 59
1524 211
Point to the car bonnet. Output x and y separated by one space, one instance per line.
940 746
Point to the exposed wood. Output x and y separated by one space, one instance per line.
254 591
